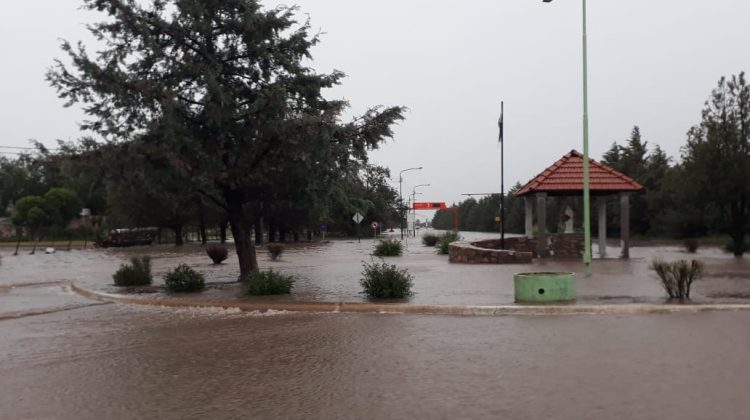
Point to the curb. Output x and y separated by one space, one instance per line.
400 308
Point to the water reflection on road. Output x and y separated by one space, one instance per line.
118 361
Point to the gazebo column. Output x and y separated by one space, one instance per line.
541 222
529 217
625 223
601 203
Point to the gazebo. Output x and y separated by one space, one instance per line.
565 178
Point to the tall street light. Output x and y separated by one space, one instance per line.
586 189
413 199
401 197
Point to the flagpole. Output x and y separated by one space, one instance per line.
502 179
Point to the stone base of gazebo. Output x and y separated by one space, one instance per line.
469 253
518 250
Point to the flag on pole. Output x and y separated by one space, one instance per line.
500 123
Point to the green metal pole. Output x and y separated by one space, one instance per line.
586 192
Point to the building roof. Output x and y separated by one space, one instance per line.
565 177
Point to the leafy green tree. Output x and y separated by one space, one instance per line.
716 160
20 177
40 214
224 94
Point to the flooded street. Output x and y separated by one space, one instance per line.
118 361
330 272
63 356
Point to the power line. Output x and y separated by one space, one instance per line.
25 148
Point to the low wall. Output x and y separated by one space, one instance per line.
468 253
518 250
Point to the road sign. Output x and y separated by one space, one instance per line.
430 206
358 218
323 227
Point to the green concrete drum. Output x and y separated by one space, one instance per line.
544 287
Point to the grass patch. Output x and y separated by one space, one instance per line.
184 279
388 248
691 245
731 248
275 251
430 239
266 283
137 273
385 281
217 253
445 240
677 277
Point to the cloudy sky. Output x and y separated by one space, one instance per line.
652 63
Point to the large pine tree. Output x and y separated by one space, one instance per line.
220 91
716 160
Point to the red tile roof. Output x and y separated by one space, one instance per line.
565 177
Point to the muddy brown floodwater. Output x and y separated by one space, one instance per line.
66 357
117 361
331 272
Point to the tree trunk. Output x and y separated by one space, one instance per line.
271 232
243 244
178 235
282 235
202 225
18 244
258 232
33 250
223 232
296 236
739 244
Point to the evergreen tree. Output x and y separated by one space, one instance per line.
716 160
223 93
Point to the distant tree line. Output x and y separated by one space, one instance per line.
705 192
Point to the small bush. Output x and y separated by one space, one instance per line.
384 281
184 279
217 253
445 240
275 251
137 273
731 248
430 239
677 277
691 245
388 248
265 283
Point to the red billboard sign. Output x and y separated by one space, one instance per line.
429 206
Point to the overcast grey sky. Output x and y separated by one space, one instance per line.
652 63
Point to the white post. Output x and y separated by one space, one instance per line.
602 204
529 217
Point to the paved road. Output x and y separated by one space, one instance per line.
119 361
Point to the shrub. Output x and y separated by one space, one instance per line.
184 279
691 245
677 277
264 283
389 248
217 253
732 248
430 239
384 281
137 273
445 240
275 251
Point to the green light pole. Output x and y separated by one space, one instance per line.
586 184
